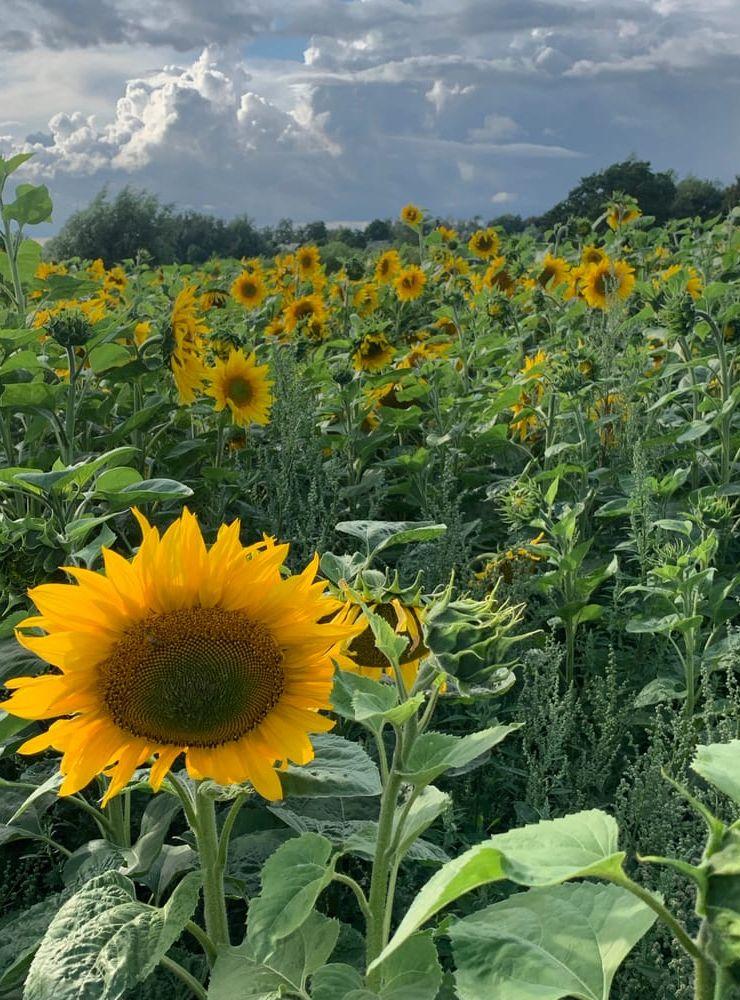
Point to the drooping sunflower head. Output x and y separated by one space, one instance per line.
592 255
447 235
552 271
412 215
307 309
360 655
365 299
387 267
187 345
307 261
213 298
249 289
242 385
374 353
410 283
184 649
607 281
484 243
621 211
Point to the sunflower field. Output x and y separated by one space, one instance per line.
370 628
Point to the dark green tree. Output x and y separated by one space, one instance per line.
697 197
655 193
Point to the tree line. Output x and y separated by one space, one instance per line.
120 227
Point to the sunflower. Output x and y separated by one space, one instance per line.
142 332
210 653
592 255
412 215
242 385
306 309
484 243
619 215
387 267
446 234
46 270
374 353
530 396
96 270
410 283
693 282
249 289
497 278
276 328
307 262
361 656
186 359
553 271
214 298
365 299
602 282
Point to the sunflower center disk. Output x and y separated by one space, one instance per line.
240 391
195 677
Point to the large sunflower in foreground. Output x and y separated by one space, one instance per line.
184 649
242 385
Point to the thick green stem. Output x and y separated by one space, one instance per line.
184 976
70 415
678 930
379 899
214 900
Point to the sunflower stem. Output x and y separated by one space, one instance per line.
184 976
212 870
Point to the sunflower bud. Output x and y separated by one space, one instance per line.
679 315
470 639
355 268
70 328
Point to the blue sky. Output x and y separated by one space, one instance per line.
346 109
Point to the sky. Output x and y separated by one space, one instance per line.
347 109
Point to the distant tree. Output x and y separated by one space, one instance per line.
355 238
509 223
285 232
697 197
731 197
114 230
314 232
655 192
378 230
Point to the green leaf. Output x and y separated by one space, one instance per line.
413 971
240 975
547 944
102 942
335 982
292 880
155 825
429 805
340 768
7 167
108 356
353 694
32 205
719 764
20 936
29 395
434 753
380 535
148 490
540 854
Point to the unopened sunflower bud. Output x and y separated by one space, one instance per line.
70 328
679 315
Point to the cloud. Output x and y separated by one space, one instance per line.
456 103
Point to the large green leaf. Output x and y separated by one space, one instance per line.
430 804
31 206
340 768
380 535
540 854
240 975
292 879
434 753
20 936
103 941
547 944
413 972
719 763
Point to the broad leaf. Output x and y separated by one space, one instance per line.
240 975
548 944
292 880
340 768
103 941
413 972
434 753
719 763
541 854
